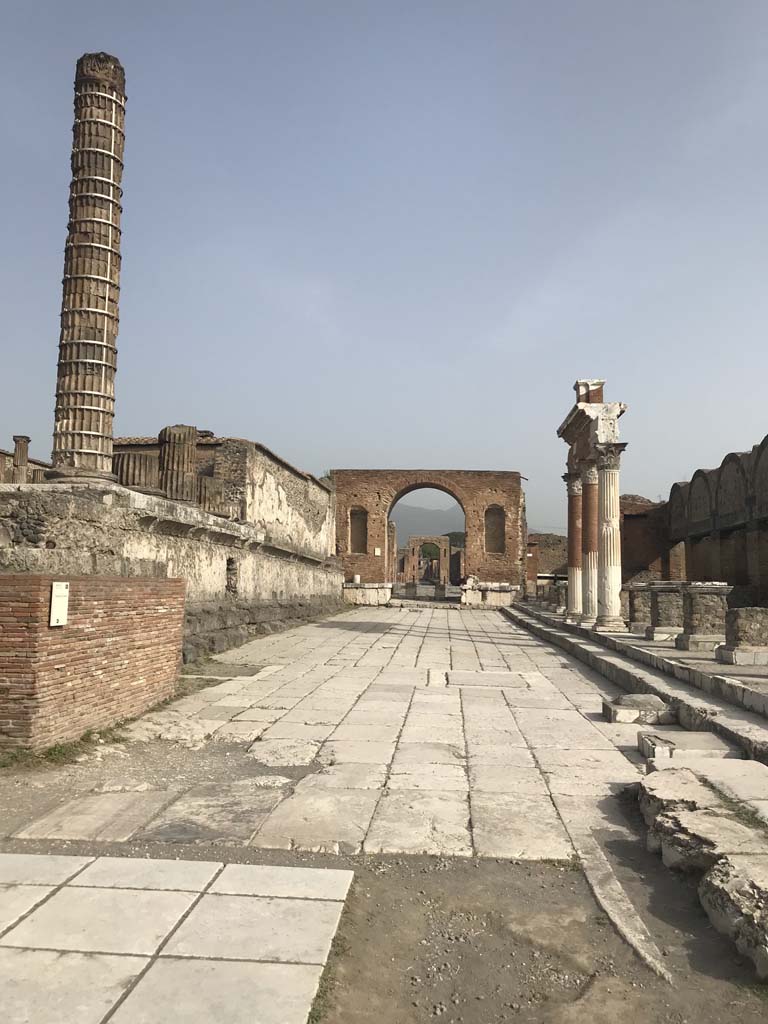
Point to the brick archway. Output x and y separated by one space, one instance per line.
377 491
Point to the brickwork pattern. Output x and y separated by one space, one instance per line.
117 655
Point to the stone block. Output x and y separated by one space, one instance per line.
638 707
734 894
747 627
683 745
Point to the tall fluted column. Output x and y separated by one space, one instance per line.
85 385
573 482
588 544
609 616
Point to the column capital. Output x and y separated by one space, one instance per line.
609 455
573 483
588 472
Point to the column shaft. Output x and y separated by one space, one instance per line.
85 385
609 539
574 606
589 544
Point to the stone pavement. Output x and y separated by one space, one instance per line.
381 731
133 941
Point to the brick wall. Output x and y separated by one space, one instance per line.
552 553
117 656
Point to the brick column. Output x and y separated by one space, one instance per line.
609 616
573 482
20 458
705 606
85 385
588 544
178 462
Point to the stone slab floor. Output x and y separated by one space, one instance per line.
84 940
452 761
378 731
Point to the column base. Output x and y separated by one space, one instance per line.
617 625
73 476
639 627
662 632
698 641
587 621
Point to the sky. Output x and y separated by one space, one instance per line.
393 233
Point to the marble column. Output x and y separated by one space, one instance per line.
609 616
588 544
178 462
573 482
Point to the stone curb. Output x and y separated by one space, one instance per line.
745 729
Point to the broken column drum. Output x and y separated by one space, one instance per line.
666 610
574 485
20 458
609 538
639 607
589 541
178 462
85 386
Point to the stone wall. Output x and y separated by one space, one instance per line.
552 553
240 581
376 491
117 655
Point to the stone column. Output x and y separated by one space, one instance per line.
704 609
137 470
573 483
178 462
666 610
609 540
85 384
20 458
588 544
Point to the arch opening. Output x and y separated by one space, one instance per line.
428 530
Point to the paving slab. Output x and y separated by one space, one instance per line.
497 679
107 817
491 778
16 900
419 822
518 827
282 753
206 991
499 754
257 928
434 777
346 776
319 820
102 921
293 883
138 873
42 987
39 869
427 753
213 813
356 752
563 729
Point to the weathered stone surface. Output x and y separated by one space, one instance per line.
695 840
638 707
682 745
734 893
103 816
213 813
320 820
518 827
674 789
418 822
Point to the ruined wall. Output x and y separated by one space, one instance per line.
552 553
117 655
376 491
238 583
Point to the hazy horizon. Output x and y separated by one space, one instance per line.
393 235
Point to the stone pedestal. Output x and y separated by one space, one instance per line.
370 594
746 637
589 544
178 462
639 608
574 599
704 609
666 610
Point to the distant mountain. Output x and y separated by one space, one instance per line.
413 521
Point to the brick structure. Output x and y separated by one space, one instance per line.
85 385
494 511
413 558
117 655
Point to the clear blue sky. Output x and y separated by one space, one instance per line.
382 233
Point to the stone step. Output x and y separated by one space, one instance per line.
695 710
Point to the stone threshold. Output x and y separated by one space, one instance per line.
695 710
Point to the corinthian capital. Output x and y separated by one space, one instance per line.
609 455
588 473
573 483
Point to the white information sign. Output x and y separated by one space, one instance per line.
59 604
